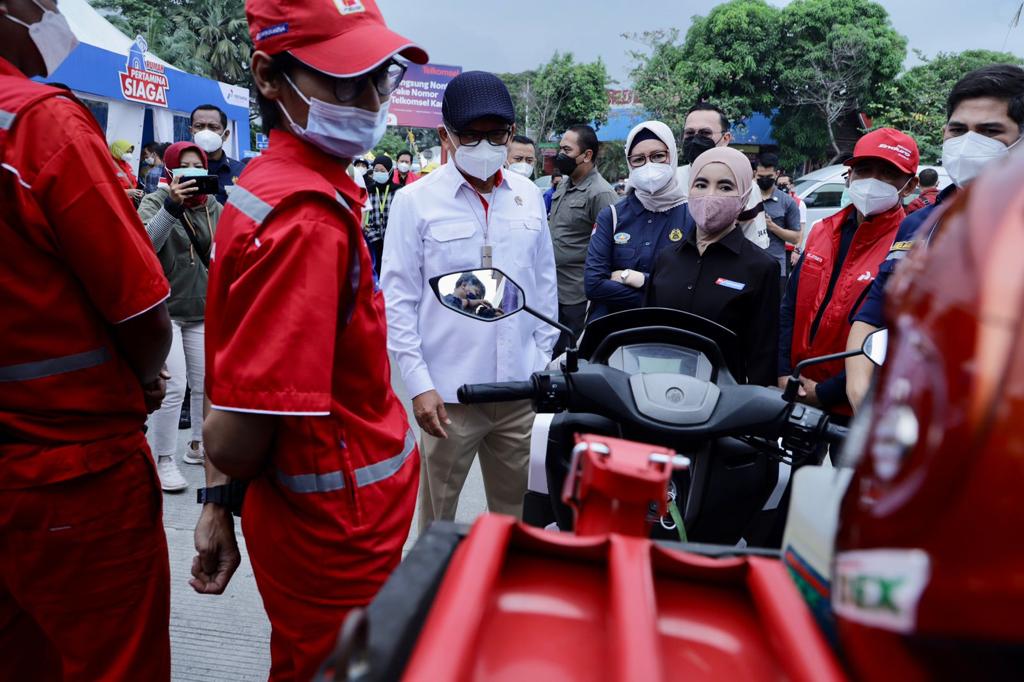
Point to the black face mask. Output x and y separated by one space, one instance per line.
695 146
765 183
565 164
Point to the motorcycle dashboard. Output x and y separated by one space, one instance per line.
661 358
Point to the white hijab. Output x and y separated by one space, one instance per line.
674 193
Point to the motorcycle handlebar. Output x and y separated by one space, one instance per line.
836 434
503 391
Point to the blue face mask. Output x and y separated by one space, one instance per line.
345 132
188 172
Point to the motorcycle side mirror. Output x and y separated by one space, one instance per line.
876 345
489 295
793 382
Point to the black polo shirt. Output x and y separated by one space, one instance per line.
736 284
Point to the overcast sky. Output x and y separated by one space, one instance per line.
518 35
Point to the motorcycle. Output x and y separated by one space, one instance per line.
505 600
668 378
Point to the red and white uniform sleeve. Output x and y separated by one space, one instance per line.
95 226
274 303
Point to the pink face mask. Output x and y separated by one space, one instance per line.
713 214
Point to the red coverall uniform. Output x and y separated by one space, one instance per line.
296 327
84 575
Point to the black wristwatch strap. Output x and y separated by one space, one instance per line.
229 496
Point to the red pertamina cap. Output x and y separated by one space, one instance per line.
890 145
340 38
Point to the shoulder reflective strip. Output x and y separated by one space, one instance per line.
48 368
312 483
897 255
249 204
16 174
6 119
375 473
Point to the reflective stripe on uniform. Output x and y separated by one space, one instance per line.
312 483
897 255
251 205
6 119
41 369
389 467
335 480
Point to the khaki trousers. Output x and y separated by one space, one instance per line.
500 432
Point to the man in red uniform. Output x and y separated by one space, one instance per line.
297 377
84 580
839 263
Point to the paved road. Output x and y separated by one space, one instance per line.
227 637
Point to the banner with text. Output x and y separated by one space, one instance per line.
417 101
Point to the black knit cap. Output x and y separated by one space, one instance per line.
382 160
476 94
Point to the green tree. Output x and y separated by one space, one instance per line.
836 54
916 101
729 57
559 94
390 144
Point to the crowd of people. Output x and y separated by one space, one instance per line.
277 292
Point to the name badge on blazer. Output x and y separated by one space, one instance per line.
723 282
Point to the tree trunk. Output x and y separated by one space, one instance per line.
835 145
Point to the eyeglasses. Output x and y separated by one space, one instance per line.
385 79
496 138
704 132
638 160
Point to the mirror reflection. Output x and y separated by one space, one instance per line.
876 345
486 293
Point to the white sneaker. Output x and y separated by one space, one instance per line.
194 455
171 479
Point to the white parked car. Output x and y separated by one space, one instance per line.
822 190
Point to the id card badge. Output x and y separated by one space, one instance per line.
486 254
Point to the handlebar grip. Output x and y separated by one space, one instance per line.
836 434
504 391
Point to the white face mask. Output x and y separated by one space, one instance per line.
208 141
521 168
188 172
338 130
403 167
651 177
359 179
871 196
380 177
481 161
52 37
964 157
127 158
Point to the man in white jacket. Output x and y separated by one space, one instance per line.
464 216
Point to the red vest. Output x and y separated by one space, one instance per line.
870 245
62 381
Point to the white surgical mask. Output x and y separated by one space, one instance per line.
871 196
208 141
127 157
359 179
481 161
188 172
52 37
338 130
521 167
380 177
403 167
651 177
964 157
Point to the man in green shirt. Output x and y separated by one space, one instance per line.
574 208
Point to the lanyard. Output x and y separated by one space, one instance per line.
486 251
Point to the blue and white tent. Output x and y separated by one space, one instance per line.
136 96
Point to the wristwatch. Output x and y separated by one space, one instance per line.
229 496
624 275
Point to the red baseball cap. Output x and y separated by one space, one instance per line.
340 38
890 145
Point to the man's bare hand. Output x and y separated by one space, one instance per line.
430 414
217 555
